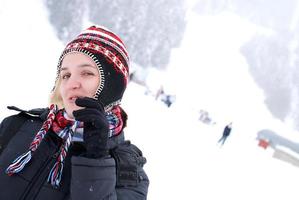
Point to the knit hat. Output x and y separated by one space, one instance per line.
109 53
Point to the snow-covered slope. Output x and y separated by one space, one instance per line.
185 161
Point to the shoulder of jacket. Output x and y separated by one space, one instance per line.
128 149
35 113
129 162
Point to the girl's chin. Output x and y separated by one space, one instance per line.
69 112
69 115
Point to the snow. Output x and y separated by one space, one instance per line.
185 161
206 72
29 53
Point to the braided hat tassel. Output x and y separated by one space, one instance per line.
19 163
55 174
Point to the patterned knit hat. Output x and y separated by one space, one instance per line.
111 57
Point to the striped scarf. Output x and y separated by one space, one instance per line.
65 129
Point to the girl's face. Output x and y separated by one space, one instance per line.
79 77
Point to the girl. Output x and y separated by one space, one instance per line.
75 149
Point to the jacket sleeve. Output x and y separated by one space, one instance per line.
137 192
132 182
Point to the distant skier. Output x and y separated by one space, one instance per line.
225 133
159 93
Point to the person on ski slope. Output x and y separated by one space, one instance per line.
225 134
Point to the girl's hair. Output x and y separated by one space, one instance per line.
55 97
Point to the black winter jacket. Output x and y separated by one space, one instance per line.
119 176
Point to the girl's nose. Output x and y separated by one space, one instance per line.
74 83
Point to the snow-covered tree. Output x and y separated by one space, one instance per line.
150 29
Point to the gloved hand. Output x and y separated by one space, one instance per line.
96 126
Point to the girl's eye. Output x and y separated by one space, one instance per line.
66 76
87 73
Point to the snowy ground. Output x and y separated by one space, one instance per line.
207 71
185 162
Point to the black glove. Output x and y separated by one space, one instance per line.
96 126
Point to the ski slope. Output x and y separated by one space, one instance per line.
185 161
